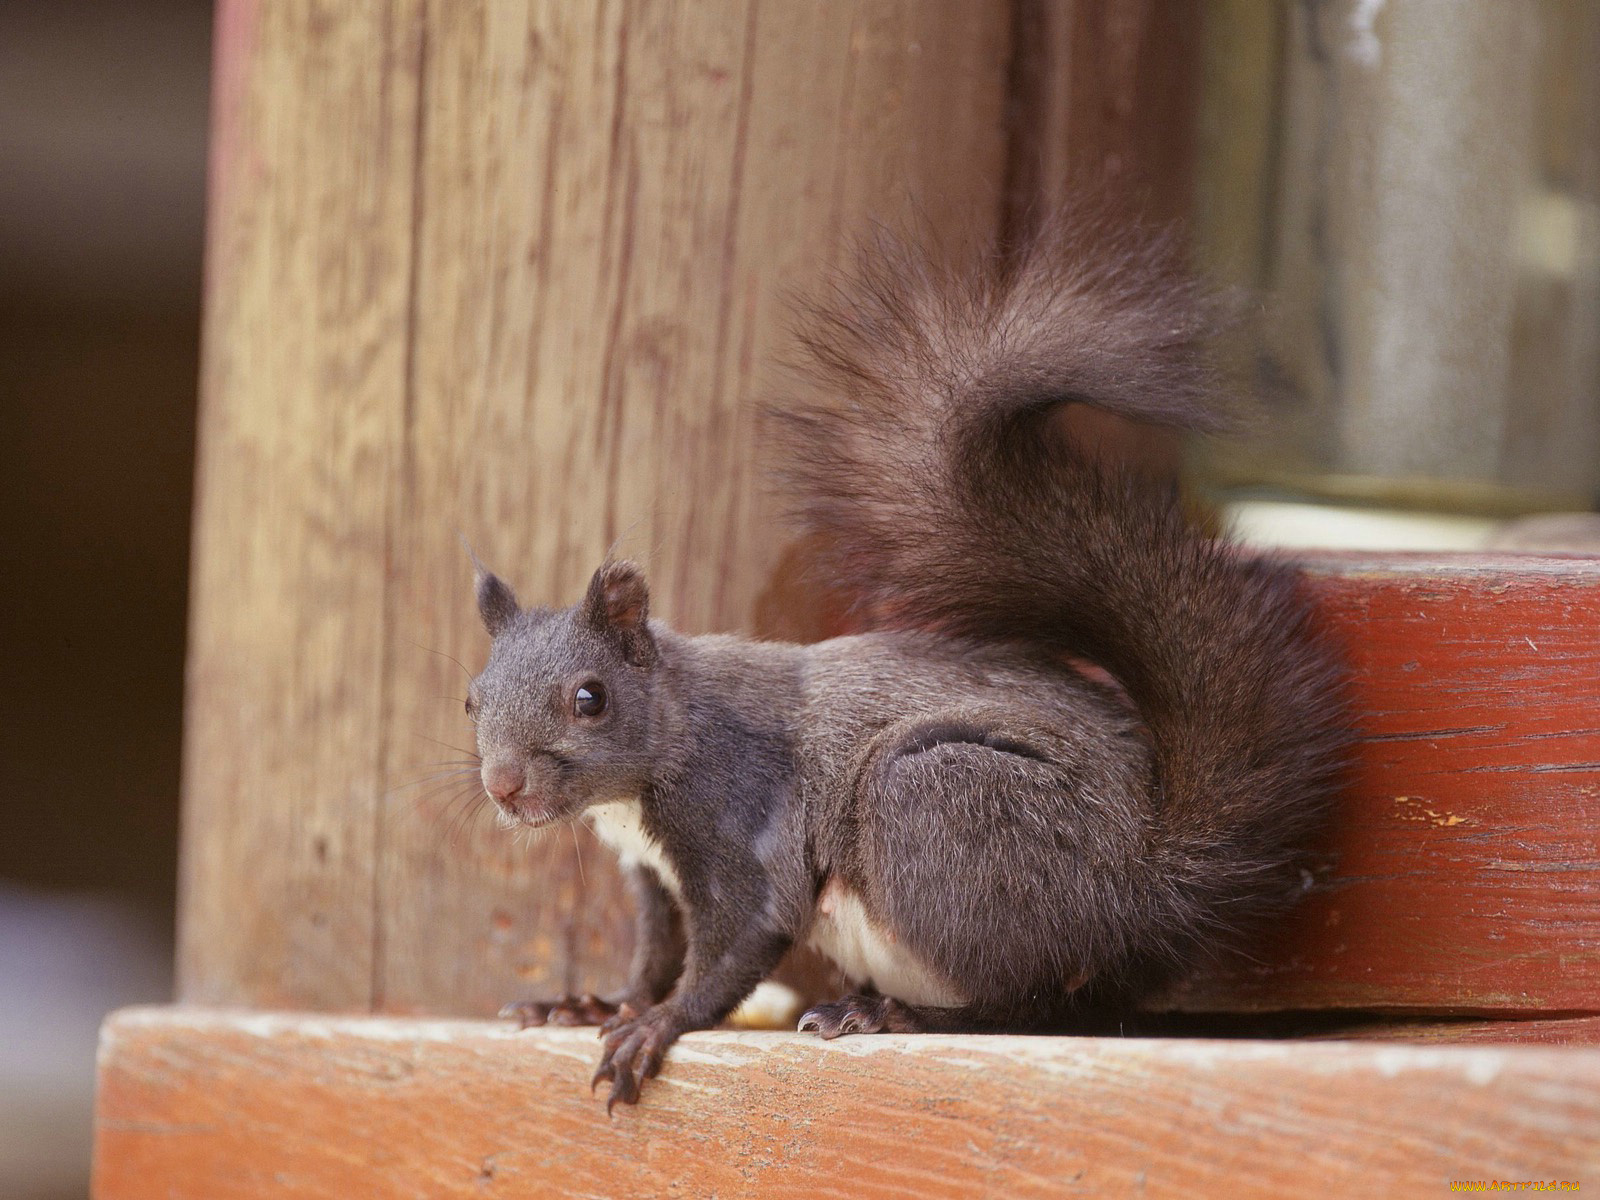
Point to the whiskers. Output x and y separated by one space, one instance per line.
446 657
577 853
524 837
451 793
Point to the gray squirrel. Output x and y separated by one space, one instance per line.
979 834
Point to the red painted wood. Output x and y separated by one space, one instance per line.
1532 1031
1465 865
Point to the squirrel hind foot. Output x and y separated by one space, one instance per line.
587 1009
860 1014
872 1013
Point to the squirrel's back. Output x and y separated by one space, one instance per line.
946 497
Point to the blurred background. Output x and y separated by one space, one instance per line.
102 182
1416 183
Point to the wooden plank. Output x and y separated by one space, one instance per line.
238 1105
1552 1031
613 201
1464 870
302 404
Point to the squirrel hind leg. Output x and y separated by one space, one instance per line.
1009 855
931 735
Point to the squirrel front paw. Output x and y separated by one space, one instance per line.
587 1009
634 1050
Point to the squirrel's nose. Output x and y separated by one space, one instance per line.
502 780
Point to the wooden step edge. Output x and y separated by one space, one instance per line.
1541 1029
1535 1026
1450 566
209 1103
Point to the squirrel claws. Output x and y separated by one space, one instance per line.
634 1052
625 1013
587 1009
854 1014
636 1038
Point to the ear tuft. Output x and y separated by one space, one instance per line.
497 605
618 598
618 603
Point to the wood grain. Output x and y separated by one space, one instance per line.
1465 872
219 1105
511 270
301 431
612 204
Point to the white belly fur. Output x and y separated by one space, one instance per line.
842 931
619 826
868 953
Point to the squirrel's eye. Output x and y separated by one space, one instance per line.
590 699
472 709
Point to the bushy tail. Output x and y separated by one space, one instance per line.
946 496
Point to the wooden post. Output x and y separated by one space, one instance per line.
513 271
1105 92
300 476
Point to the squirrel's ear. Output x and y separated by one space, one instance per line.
618 602
496 603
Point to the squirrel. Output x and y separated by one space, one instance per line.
980 834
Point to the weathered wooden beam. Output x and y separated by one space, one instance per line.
517 271
302 428
1103 95
196 1104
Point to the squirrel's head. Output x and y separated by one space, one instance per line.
564 708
